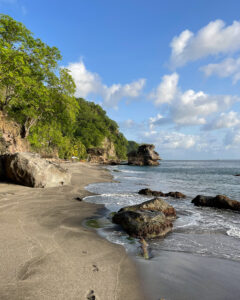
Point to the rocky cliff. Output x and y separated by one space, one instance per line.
10 138
103 154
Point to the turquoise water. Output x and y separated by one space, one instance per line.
202 231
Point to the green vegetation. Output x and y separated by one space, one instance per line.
132 146
39 95
93 125
93 223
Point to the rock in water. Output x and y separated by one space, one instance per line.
31 170
220 201
149 192
144 156
156 204
149 219
143 224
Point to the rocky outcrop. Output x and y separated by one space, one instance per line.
105 154
149 192
220 201
96 155
31 170
10 136
237 175
149 219
144 156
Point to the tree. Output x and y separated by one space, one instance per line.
32 86
39 95
132 146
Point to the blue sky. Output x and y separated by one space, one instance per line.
167 71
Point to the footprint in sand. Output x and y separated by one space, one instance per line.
95 268
91 296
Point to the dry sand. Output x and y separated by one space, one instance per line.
46 253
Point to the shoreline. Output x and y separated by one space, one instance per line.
47 253
186 274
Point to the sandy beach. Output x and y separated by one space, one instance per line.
46 253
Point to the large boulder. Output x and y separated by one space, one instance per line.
156 204
220 201
144 156
149 219
143 224
149 192
31 170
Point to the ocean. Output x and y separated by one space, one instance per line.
199 231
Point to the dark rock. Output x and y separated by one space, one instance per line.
78 199
31 170
220 201
149 192
156 204
237 175
143 224
146 220
144 156
177 195
112 162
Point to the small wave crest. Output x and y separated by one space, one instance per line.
132 172
234 232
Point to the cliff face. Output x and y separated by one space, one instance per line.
103 154
10 138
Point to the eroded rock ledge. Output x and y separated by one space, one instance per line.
31 170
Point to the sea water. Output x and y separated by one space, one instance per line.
198 230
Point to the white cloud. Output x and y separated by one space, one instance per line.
86 82
155 120
89 83
232 139
180 42
189 107
226 68
215 38
167 89
127 124
225 120
114 93
171 140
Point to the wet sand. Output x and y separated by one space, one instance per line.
46 253
184 276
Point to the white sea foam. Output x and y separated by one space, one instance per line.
205 231
234 231
132 172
